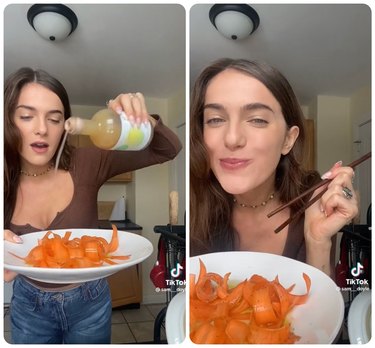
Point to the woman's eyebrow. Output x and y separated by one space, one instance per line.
213 106
31 108
25 107
257 106
56 112
246 107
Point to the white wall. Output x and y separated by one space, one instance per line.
333 131
337 121
360 112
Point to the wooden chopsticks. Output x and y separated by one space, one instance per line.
314 199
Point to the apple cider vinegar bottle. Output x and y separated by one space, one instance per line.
110 131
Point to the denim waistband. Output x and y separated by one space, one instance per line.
83 290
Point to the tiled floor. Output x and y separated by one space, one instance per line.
128 325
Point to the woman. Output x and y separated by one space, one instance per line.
246 148
38 198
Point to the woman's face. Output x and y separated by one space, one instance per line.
244 131
39 116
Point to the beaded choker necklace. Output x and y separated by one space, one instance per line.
37 174
243 205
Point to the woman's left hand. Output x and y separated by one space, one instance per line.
134 107
11 237
335 209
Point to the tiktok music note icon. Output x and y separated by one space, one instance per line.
175 272
356 271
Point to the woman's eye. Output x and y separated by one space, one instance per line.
258 121
26 118
55 121
214 121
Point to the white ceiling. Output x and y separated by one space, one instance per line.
321 48
115 48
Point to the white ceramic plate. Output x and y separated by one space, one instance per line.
359 319
175 319
318 320
129 244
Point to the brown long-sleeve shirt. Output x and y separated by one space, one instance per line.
92 167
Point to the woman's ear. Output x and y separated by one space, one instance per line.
290 139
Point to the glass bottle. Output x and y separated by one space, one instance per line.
110 131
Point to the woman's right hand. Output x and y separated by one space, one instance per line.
134 106
13 238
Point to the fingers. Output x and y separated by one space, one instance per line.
329 174
336 208
133 105
340 196
9 275
143 109
11 237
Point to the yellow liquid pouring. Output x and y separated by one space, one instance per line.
59 153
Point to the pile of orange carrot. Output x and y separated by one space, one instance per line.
54 251
254 311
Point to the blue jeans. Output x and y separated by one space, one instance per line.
80 315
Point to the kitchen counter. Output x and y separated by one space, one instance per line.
123 225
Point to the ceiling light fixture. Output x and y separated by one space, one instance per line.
54 22
234 21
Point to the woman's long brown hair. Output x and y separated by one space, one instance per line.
12 137
211 226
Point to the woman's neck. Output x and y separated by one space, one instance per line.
259 196
35 171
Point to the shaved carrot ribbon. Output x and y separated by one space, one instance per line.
252 312
54 251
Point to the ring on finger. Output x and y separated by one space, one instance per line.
347 192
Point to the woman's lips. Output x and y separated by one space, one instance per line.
39 147
234 163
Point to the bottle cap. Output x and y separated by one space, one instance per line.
73 125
